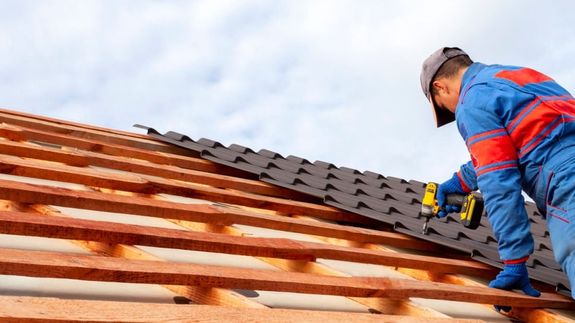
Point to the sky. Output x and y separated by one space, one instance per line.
333 80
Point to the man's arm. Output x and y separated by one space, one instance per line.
495 164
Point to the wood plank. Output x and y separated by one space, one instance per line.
154 185
523 314
83 131
201 176
35 309
218 296
198 295
97 268
383 305
41 194
18 133
21 223
538 315
41 118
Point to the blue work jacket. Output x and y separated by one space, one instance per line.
518 125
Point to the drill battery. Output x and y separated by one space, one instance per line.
472 206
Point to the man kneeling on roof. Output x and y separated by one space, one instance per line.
519 127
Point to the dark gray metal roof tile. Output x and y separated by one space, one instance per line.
177 136
297 160
269 154
287 166
316 171
209 143
300 188
324 165
350 170
240 149
285 177
390 200
378 183
373 175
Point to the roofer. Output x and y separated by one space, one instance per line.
519 127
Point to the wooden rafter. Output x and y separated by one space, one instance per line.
116 150
200 173
91 133
96 268
34 309
384 305
218 296
197 294
31 118
152 184
21 223
523 314
41 194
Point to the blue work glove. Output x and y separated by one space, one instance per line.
513 276
451 186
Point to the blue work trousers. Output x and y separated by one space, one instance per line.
560 207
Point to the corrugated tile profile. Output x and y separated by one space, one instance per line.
386 199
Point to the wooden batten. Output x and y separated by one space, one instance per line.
41 194
45 148
153 184
196 294
36 309
96 268
20 223
523 314
383 305
90 133
200 173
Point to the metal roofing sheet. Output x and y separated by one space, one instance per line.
387 199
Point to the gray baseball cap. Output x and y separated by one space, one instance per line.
430 67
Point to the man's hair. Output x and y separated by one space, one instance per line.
450 69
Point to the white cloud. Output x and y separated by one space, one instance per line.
330 80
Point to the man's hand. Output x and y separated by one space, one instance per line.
513 276
451 186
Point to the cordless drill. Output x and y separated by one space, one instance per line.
471 206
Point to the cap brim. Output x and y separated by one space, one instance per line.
442 116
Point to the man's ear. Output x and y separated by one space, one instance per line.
439 86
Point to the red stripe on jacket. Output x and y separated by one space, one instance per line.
513 122
485 134
492 151
529 128
564 106
523 76
532 125
462 182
